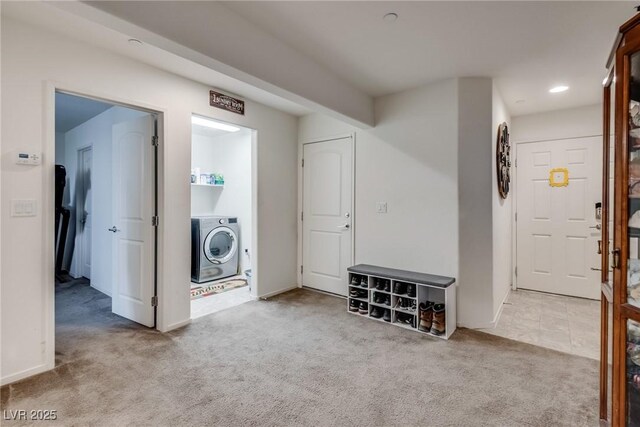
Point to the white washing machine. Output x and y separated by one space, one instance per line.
215 244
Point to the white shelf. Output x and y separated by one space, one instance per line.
402 310
380 305
207 185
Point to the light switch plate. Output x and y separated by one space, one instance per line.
381 207
22 208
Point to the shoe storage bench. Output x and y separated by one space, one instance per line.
398 294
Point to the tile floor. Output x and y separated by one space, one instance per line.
218 302
570 325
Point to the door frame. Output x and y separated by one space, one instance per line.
253 254
50 88
301 146
79 241
514 222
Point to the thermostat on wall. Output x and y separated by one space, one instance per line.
25 158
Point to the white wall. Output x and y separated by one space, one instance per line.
475 295
409 161
570 123
32 57
502 212
97 133
230 155
431 157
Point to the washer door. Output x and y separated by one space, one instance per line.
220 245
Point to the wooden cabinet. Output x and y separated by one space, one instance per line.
620 244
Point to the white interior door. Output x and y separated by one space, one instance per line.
133 210
557 230
327 217
85 204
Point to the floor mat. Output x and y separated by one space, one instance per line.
219 287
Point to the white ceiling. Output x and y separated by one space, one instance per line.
72 111
526 46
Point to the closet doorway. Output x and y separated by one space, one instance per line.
105 213
223 225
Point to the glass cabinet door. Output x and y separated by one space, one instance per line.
629 163
633 189
605 246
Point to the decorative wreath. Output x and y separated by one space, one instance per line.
503 160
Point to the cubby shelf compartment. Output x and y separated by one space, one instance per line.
437 289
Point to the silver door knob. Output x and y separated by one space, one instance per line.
114 229
346 226
597 226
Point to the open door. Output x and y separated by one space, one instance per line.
133 214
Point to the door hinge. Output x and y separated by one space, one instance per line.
155 221
516 216
301 269
302 162
516 271
301 216
154 140
154 301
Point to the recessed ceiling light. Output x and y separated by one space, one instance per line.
390 17
201 121
558 89
135 42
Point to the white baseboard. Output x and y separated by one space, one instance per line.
278 292
12 378
176 325
99 289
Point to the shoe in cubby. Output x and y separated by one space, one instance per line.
386 315
376 312
400 288
439 325
355 280
426 316
378 298
353 306
411 290
387 300
364 308
364 282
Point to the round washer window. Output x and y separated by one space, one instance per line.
220 245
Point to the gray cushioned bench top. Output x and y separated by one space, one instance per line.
403 275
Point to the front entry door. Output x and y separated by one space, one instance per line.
133 211
557 228
327 217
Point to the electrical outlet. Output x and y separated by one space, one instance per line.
381 207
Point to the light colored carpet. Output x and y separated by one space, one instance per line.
297 359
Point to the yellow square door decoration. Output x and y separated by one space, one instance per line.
559 177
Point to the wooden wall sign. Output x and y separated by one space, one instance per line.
226 102
503 160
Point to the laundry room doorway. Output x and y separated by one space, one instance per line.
222 215
105 213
